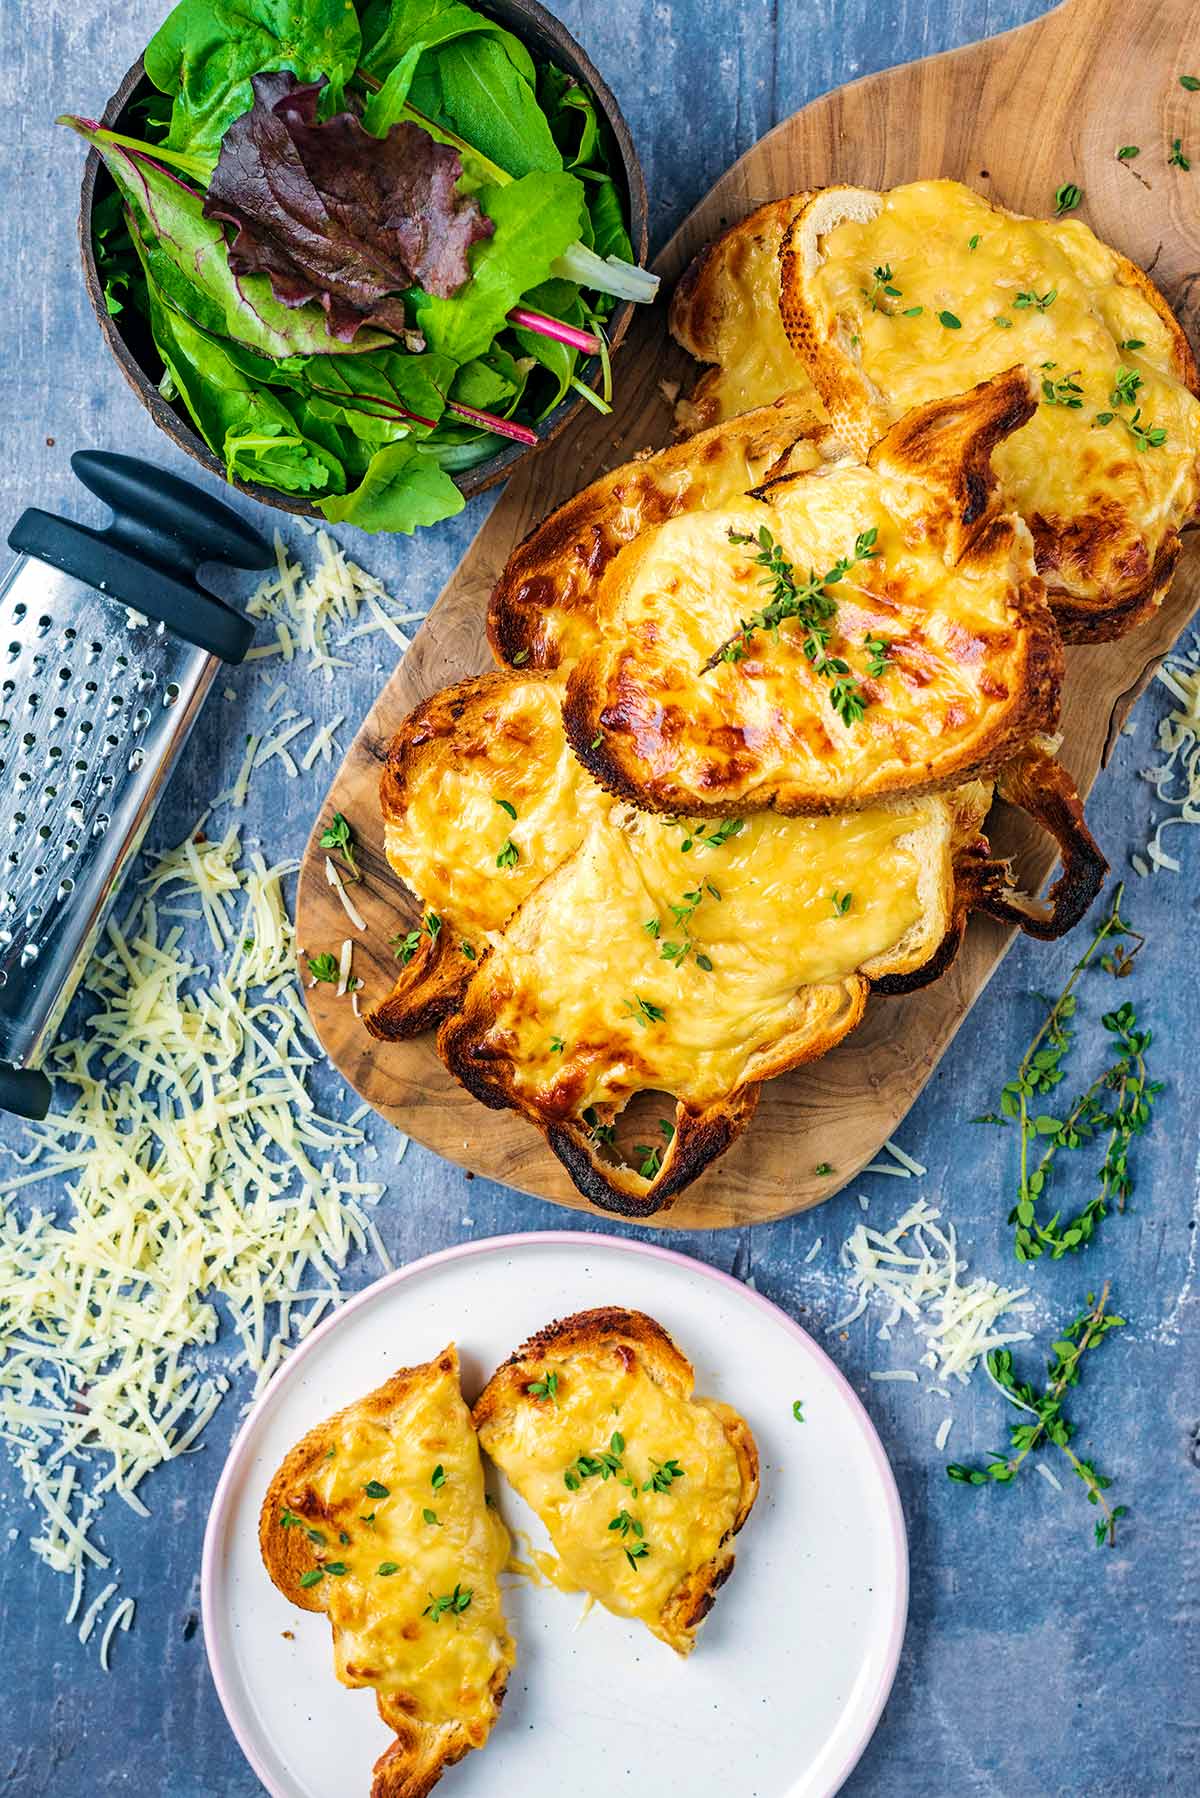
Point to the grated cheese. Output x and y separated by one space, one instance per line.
200 1181
339 886
814 1251
943 1433
308 608
917 1267
1176 776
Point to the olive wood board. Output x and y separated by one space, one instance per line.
1015 117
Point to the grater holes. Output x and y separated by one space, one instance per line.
66 887
44 833
8 688
170 693
32 702
63 676
29 955
141 717
90 687
44 623
145 680
54 754
115 705
68 637
105 784
19 610
94 651
28 741
13 651
101 824
24 777
136 759
5 727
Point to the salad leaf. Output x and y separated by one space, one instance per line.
607 214
392 29
206 51
485 100
187 256
246 425
536 218
571 113
491 383
329 212
371 394
402 488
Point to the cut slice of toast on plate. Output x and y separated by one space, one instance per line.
378 1519
641 1485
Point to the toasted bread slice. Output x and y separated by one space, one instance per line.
641 1486
414 1604
1107 471
699 962
611 908
690 703
725 312
541 613
481 799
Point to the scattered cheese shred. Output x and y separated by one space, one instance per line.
339 886
307 609
1176 776
916 1265
199 1180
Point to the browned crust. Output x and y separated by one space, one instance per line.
947 443
668 1366
557 567
1041 786
416 1760
701 300
702 1133
432 984
1123 603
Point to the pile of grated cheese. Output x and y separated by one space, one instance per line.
917 1269
1176 777
199 1180
306 608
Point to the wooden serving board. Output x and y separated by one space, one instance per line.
1014 117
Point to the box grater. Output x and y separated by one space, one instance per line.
108 646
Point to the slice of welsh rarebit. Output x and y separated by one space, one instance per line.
894 299
378 1518
725 313
841 635
641 1486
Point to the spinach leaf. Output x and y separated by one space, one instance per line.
403 487
486 101
571 113
370 393
557 299
247 426
535 218
206 51
607 213
391 29
492 383
187 257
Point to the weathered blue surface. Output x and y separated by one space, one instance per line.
1034 1664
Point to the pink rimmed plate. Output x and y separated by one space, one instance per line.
792 1669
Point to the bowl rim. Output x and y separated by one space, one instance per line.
471 481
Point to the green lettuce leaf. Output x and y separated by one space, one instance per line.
403 487
205 52
486 101
392 29
248 426
535 218
187 256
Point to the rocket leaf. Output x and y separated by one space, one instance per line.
329 212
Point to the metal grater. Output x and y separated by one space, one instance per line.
108 646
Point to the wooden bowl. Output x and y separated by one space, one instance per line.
129 338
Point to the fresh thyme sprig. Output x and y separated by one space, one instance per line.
406 946
1118 1102
1049 1425
339 836
810 605
881 283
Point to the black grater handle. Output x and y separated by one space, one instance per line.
166 520
163 528
26 1092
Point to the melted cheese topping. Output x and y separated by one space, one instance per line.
544 605
508 745
602 1391
1063 461
765 725
442 1669
578 964
755 361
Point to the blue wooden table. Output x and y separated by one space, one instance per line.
1034 1664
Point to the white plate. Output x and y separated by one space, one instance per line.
791 1671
